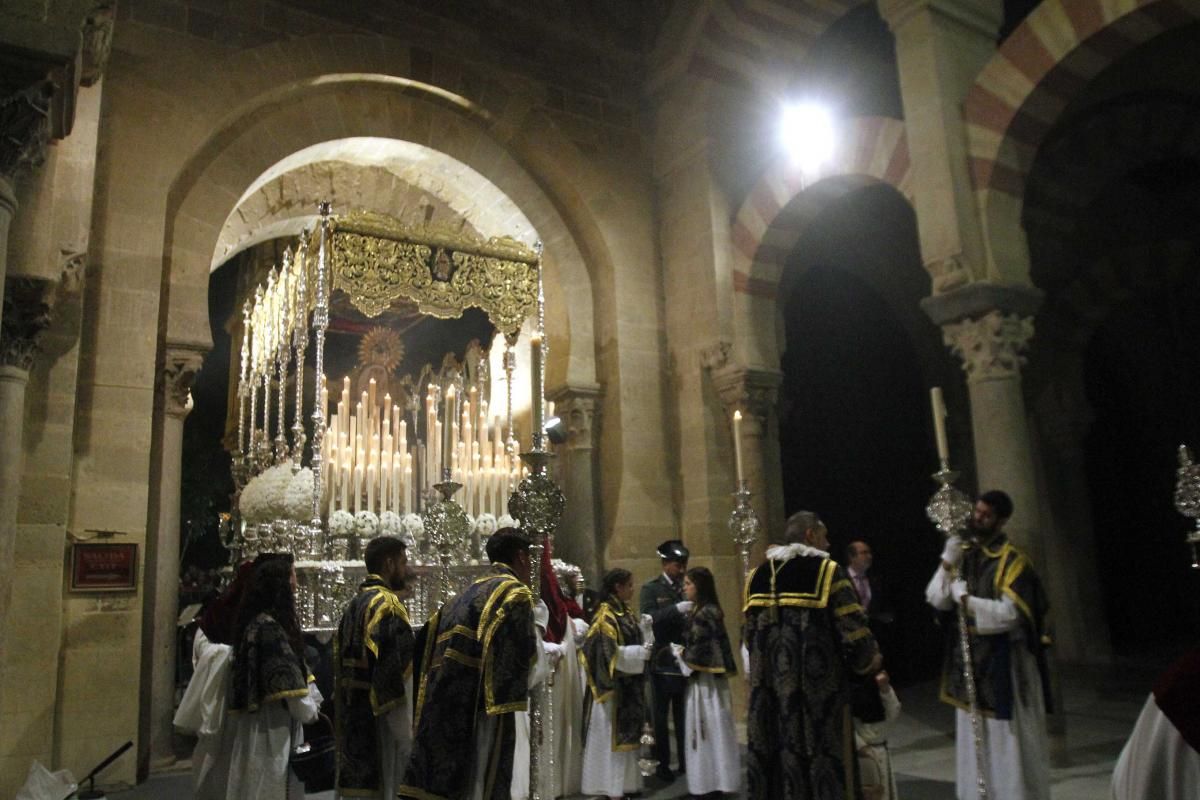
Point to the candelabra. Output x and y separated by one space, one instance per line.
539 504
1187 498
447 526
950 510
744 526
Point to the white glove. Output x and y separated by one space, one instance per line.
541 614
647 626
952 553
677 649
958 591
554 652
647 651
580 626
684 606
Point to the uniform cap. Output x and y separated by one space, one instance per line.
673 550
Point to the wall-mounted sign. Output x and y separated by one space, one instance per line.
106 567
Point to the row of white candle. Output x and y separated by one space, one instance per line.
373 466
273 315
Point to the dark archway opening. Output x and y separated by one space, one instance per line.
1142 376
855 429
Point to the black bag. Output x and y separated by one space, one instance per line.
315 761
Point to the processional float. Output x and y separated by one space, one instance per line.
441 473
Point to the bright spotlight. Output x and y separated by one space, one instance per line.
806 130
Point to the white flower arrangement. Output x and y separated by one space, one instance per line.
366 524
299 496
341 523
485 524
390 524
506 521
414 525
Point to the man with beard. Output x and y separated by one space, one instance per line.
373 647
479 657
805 634
1006 607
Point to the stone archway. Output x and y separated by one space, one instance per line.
1022 91
770 220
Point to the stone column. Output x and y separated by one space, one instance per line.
161 604
579 408
24 134
755 392
940 47
26 315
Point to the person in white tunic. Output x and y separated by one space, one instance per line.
706 660
1006 610
614 656
1161 760
272 693
202 709
875 706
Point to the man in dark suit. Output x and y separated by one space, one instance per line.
872 592
662 599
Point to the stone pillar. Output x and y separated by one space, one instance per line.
941 45
161 604
24 134
755 392
26 315
579 408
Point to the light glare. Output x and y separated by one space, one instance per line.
806 130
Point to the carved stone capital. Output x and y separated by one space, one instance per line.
96 37
991 347
579 408
179 370
27 303
752 391
25 128
716 356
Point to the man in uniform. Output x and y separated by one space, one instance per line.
373 648
476 661
996 585
662 599
805 634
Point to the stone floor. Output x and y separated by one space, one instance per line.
1101 710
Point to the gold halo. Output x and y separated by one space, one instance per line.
381 347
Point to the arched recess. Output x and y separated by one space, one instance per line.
1022 92
269 128
770 221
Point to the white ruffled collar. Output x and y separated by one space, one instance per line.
784 552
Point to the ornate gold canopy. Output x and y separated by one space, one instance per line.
377 260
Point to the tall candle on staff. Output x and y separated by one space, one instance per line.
539 423
448 429
737 445
939 423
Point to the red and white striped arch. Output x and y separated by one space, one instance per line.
1021 93
779 207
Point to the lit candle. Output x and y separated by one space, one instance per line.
939 423
408 480
737 445
345 478
370 404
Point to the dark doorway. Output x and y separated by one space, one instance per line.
854 414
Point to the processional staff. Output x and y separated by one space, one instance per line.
949 509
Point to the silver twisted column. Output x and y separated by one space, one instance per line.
949 509
1187 498
320 324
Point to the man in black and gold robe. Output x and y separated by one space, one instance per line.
475 666
805 633
373 648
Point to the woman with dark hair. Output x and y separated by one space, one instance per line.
706 659
201 712
614 657
272 694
